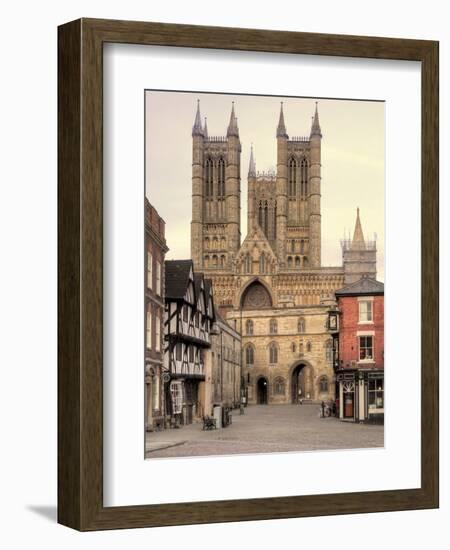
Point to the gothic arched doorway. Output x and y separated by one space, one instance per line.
262 391
298 390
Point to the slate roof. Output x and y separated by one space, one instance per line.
208 291
198 278
177 277
364 287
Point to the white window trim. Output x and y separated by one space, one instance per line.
158 277
149 328
149 270
372 334
364 300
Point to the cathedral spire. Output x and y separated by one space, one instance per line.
205 130
358 235
233 129
252 166
281 129
197 129
315 127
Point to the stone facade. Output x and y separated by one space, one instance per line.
226 364
275 275
155 245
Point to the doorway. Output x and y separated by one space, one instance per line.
262 391
349 399
298 384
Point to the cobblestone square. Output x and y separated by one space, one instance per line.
265 429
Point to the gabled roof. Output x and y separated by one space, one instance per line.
210 296
364 287
177 278
198 281
256 236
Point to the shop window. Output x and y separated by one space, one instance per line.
376 393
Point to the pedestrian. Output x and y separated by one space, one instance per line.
322 405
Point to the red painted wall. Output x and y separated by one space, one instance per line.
349 327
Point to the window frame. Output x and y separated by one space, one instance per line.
366 359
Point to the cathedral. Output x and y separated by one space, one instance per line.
271 286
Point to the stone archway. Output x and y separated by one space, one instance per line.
301 381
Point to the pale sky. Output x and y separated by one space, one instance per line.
353 172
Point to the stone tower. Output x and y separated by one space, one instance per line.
314 194
216 188
359 257
297 232
281 188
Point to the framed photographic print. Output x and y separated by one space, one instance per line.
234 206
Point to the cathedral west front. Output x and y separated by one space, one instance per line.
271 286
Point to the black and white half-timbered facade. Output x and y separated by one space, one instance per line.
188 321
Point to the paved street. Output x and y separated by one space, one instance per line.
265 429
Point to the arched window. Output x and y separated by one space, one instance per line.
292 176
215 261
323 384
279 386
223 243
249 355
329 350
305 262
263 216
289 261
300 348
209 178
273 326
215 243
256 296
308 346
293 347
222 261
262 264
249 327
221 179
206 261
273 353
304 178
248 263
292 246
302 246
301 325
297 261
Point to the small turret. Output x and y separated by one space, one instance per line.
205 130
251 192
197 129
233 129
358 242
359 257
281 128
252 165
315 126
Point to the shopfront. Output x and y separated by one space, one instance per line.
361 395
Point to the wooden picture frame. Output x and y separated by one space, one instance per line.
80 272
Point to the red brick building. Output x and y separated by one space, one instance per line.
359 348
155 250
